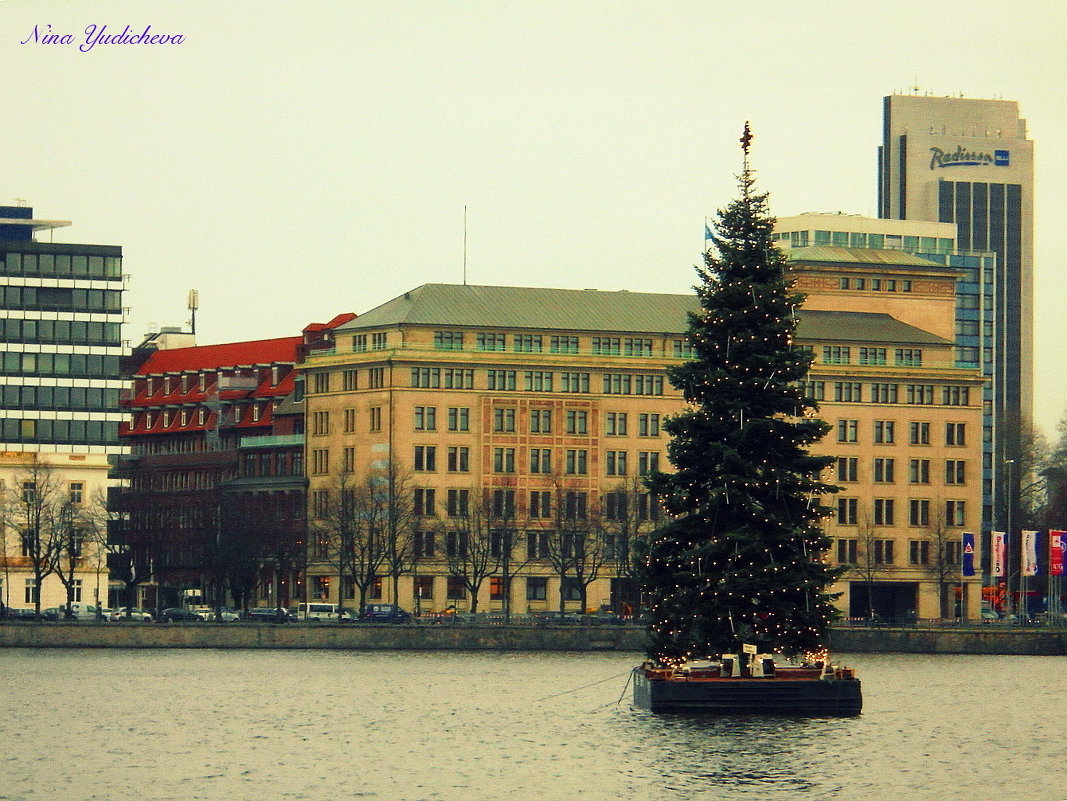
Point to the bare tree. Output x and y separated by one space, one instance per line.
628 515
872 561
575 547
399 522
472 547
943 559
35 515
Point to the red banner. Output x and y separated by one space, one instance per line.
1056 541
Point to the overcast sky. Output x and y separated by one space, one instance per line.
296 160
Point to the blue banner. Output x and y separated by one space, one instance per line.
968 554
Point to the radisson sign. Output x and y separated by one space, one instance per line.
967 158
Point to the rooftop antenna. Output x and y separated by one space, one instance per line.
194 304
464 244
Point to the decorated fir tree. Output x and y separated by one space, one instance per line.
741 562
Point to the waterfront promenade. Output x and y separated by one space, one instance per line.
1039 640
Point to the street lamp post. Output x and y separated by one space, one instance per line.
1008 492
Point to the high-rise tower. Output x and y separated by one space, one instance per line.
969 162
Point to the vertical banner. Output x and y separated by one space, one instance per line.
1029 543
1055 553
968 554
1000 545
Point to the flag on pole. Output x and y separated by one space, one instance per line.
1029 543
1000 547
1056 542
968 554
708 236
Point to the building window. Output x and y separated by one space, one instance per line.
448 340
847 430
458 502
883 511
884 432
421 377
488 341
919 552
606 346
919 471
615 424
423 545
955 396
577 462
456 590
955 433
350 421
847 552
883 552
919 512
558 344
574 382
424 588
320 423
848 391
503 460
647 508
540 460
872 356
540 421
536 588
648 385
459 378
459 418
633 346
503 420
375 418
527 343
496 588
955 513
647 425
504 504
835 354
919 394
320 503
75 492
501 380
919 433
320 461
615 463
955 471
425 458
459 459
538 381
883 393
424 502
647 462
577 422
359 343
847 468
683 349
574 505
540 504
909 357
847 511
884 471
425 418
32 592
348 461
378 340
814 390
320 382
953 553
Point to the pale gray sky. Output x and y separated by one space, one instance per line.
295 160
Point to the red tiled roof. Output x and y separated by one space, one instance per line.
201 357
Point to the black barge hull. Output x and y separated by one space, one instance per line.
749 696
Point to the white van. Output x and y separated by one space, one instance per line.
82 611
320 612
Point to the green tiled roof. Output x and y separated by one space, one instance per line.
594 310
835 255
842 326
525 307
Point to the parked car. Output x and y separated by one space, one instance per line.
385 613
208 613
14 613
269 614
319 612
557 618
77 611
138 615
176 615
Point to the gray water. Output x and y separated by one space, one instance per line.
166 724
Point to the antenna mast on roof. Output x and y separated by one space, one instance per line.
464 244
194 304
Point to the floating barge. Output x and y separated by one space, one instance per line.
736 686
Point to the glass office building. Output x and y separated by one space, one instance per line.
61 335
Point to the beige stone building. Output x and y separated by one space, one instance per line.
508 416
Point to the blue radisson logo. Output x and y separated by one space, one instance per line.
967 158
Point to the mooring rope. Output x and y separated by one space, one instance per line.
575 689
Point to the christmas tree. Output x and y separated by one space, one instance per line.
741 561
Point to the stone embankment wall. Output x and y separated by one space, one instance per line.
491 638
